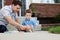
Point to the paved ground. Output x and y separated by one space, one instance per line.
41 35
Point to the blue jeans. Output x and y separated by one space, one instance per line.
3 29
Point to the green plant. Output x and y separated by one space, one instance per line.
57 1
57 18
55 29
46 28
33 9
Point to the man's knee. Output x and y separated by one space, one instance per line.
2 29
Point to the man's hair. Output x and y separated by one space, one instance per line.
28 11
17 2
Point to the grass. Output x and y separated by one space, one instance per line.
55 29
45 29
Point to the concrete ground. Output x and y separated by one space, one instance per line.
38 35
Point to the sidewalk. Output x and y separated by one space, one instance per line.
41 35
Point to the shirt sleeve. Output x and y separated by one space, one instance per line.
34 23
5 13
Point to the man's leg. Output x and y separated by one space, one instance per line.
3 29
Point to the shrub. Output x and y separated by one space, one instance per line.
57 18
55 29
45 29
57 1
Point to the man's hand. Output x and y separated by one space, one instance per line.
13 22
20 28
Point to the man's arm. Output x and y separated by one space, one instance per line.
12 22
17 20
6 14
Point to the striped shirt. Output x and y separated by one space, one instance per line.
7 11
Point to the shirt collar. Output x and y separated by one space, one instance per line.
10 7
27 19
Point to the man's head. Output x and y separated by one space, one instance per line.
16 5
28 14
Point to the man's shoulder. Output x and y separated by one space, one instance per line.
7 8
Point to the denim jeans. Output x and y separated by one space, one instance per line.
3 29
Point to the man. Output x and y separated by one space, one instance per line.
8 15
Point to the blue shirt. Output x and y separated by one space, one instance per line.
31 21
